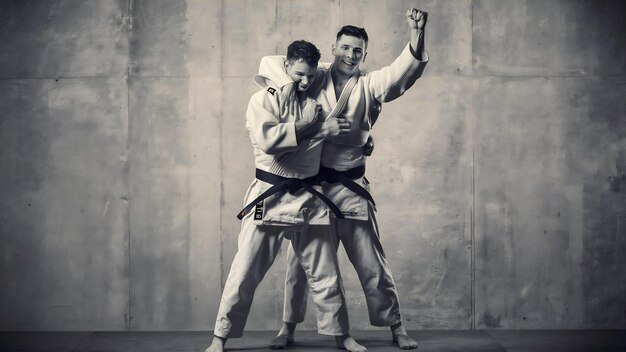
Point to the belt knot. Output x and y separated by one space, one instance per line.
294 185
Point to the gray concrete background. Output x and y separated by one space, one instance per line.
500 176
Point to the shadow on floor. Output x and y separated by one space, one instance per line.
429 340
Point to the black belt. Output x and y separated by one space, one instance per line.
345 178
292 185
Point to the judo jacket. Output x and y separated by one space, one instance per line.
270 120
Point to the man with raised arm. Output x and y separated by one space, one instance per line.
284 201
343 168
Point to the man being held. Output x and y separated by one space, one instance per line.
284 202
343 165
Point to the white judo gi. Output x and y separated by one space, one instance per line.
271 117
358 231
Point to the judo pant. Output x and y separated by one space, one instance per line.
315 253
362 244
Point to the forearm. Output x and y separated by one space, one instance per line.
323 130
417 24
305 130
417 44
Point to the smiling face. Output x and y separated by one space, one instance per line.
349 52
301 73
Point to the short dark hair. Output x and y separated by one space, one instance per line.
301 49
353 31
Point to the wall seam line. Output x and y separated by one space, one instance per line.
221 150
473 190
128 132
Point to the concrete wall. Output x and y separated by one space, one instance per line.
500 177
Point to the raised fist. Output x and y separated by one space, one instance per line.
416 18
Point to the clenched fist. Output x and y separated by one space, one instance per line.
311 111
336 127
416 18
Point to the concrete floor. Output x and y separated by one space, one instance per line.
431 340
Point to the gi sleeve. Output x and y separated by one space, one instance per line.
392 81
267 132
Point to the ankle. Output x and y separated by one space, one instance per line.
219 340
397 329
288 329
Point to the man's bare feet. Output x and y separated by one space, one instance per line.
400 337
284 337
217 345
346 342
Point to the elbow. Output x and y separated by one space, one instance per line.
399 89
394 93
273 148
269 148
275 139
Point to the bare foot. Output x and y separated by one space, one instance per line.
400 337
346 342
284 338
280 342
217 345
405 342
